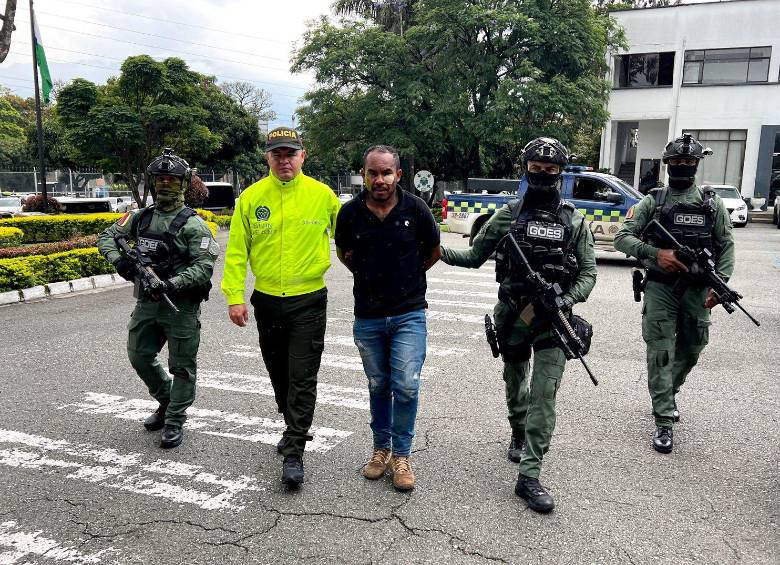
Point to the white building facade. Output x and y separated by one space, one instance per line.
711 69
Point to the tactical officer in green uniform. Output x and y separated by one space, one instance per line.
559 246
183 252
676 313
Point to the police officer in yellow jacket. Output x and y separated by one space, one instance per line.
280 226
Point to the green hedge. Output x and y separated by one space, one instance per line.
223 221
45 229
33 270
49 248
10 237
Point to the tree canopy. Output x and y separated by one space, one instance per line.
122 125
461 85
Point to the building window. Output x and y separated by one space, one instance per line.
724 166
727 66
643 70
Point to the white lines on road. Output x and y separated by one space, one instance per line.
211 422
449 282
31 545
179 482
486 306
432 351
472 273
464 293
348 397
455 317
349 362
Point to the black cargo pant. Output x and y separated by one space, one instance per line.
292 337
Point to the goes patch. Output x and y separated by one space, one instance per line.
630 213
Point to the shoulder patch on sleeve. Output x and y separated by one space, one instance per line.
630 213
124 220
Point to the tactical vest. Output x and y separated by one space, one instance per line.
161 249
692 225
546 240
159 246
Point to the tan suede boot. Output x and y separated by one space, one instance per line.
376 466
403 478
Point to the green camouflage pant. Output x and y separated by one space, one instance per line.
151 326
676 329
530 395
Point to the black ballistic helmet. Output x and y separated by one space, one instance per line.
170 164
546 150
685 147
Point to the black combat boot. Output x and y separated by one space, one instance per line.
662 440
156 419
292 471
529 489
282 444
171 436
516 445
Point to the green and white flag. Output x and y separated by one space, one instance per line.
43 65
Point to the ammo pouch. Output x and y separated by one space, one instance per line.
515 353
584 331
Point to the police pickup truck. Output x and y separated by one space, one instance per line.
603 199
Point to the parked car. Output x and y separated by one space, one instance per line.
9 206
734 204
121 203
70 205
220 196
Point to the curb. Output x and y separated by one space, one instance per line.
62 287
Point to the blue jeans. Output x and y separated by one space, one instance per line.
393 351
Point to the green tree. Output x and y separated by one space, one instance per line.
465 86
122 125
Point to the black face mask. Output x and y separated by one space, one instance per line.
542 190
542 180
682 176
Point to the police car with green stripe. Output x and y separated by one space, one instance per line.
603 199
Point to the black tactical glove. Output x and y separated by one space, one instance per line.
161 286
125 268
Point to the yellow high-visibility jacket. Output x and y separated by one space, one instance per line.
282 229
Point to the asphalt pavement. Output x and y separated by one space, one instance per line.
83 482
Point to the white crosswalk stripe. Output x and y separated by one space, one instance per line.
486 306
464 293
210 422
472 273
109 468
349 397
27 546
450 282
350 362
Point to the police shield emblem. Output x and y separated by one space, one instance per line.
262 213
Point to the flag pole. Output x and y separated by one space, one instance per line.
38 120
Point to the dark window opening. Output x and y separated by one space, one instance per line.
644 69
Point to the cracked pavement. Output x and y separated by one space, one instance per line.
715 499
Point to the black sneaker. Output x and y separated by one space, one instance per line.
156 419
171 436
537 497
292 471
662 440
515 451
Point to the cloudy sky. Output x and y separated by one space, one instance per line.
249 40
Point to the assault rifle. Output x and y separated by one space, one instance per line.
549 296
701 270
143 269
